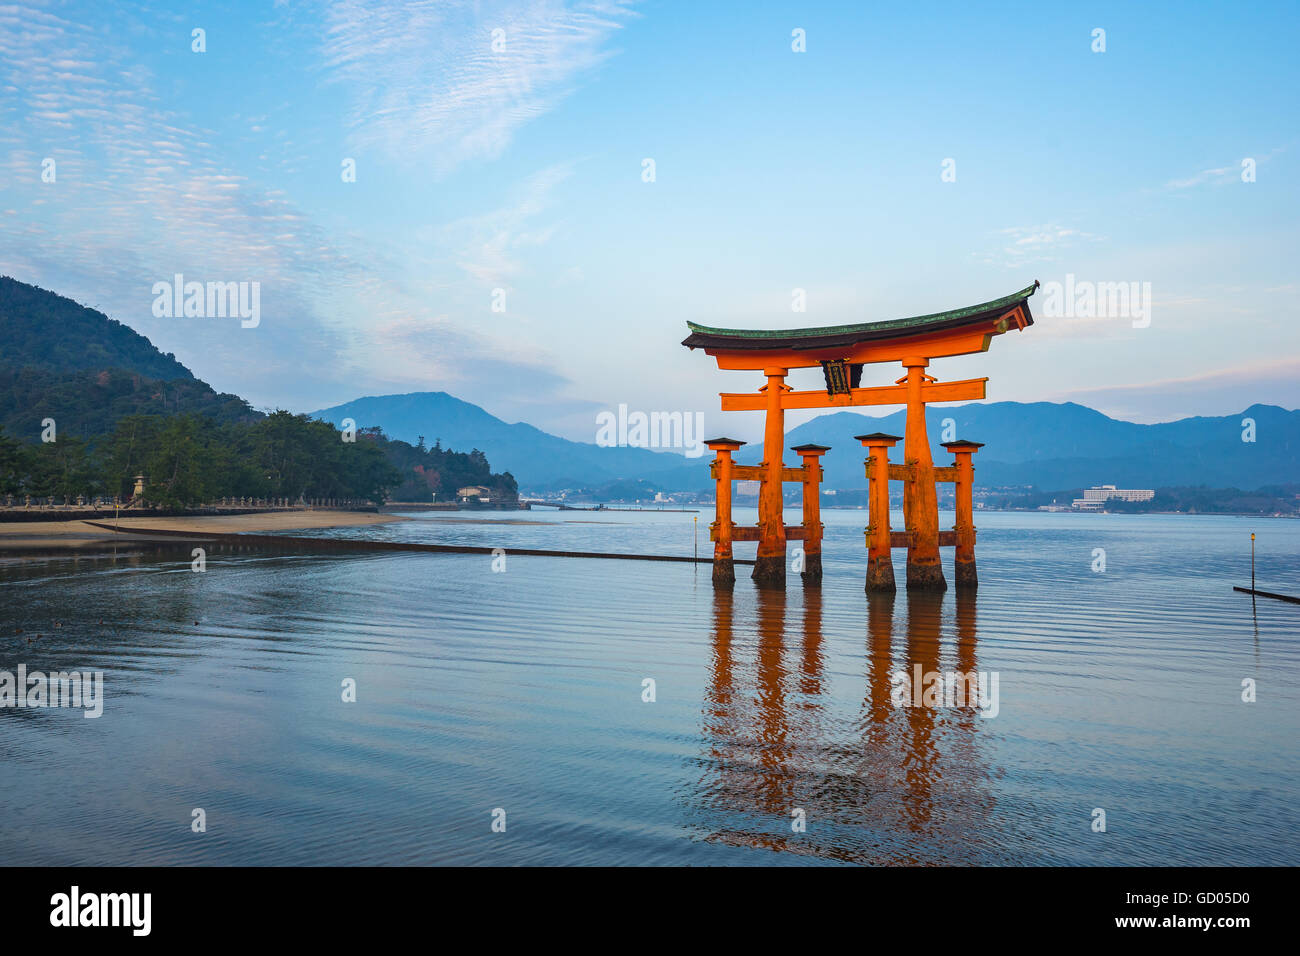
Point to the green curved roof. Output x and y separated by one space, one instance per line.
702 336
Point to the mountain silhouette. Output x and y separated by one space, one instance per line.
538 460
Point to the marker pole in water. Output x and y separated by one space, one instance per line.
695 523
1252 560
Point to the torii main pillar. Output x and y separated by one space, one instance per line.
920 499
769 567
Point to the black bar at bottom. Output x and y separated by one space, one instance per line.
1036 906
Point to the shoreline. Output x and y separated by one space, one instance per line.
76 535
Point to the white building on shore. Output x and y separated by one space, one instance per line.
1094 499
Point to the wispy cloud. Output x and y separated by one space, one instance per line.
1272 381
1045 236
1025 245
1220 175
142 192
138 193
424 80
487 245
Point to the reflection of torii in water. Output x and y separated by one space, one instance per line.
887 785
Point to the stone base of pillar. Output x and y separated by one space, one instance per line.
966 577
927 576
724 572
812 570
769 571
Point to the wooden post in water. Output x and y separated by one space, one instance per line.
964 563
880 563
724 568
812 514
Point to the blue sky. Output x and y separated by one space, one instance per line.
521 169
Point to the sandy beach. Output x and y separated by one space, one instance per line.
43 536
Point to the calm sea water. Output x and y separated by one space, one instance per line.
522 690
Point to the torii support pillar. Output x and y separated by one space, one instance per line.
880 564
920 500
724 568
965 528
769 566
812 511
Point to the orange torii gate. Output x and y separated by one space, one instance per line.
842 351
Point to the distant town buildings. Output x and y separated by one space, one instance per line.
1094 499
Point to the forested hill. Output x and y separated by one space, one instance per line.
121 408
64 361
42 329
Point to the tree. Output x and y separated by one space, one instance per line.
123 454
180 465
59 468
11 465
189 459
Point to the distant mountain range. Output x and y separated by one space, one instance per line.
1063 446
62 360
1048 445
538 460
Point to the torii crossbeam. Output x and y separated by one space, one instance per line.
842 351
